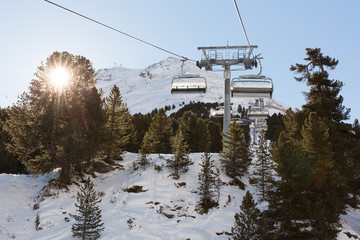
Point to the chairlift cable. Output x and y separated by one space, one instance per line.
242 24
116 30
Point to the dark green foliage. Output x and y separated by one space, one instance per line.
141 123
208 179
323 96
144 160
236 158
215 135
120 131
157 138
89 224
313 158
180 149
353 153
8 162
263 167
275 126
199 108
195 132
51 127
247 221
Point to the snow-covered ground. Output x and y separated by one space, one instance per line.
164 210
149 88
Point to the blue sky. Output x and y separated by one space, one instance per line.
32 30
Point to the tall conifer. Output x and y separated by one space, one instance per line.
263 166
119 126
51 127
157 138
236 158
180 149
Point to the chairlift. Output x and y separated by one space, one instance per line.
252 86
219 112
188 83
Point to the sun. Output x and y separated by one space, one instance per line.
59 77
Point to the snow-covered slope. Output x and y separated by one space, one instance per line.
146 89
165 209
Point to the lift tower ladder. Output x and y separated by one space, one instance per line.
227 56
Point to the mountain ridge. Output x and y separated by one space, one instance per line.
146 89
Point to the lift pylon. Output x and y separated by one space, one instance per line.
227 56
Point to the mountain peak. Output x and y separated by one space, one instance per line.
146 89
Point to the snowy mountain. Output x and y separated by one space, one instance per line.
149 88
163 209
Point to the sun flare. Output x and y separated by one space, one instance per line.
59 77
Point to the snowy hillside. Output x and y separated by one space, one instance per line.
146 89
164 209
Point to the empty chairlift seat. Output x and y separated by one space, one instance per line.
188 83
252 86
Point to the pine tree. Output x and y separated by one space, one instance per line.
323 96
247 221
236 158
195 132
89 224
207 183
9 163
263 166
180 149
52 127
307 201
157 138
120 128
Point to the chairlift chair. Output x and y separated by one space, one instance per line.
252 86
188 83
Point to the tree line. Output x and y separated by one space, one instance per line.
308 174
69 128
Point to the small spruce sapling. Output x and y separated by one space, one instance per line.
208 187
181 160
247 221
89 221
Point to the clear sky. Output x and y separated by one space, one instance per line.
30 30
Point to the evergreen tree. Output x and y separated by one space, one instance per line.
215 135
51 127
263 167
236 157
207 183
275 126
89 224
141 123
144 159
120 128
354 166
157 138
247 221
195 132
323 96
9 163
180 149
307 200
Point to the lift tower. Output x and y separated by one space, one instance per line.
226 57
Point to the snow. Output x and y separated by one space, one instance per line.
164 210
149 88
166 207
